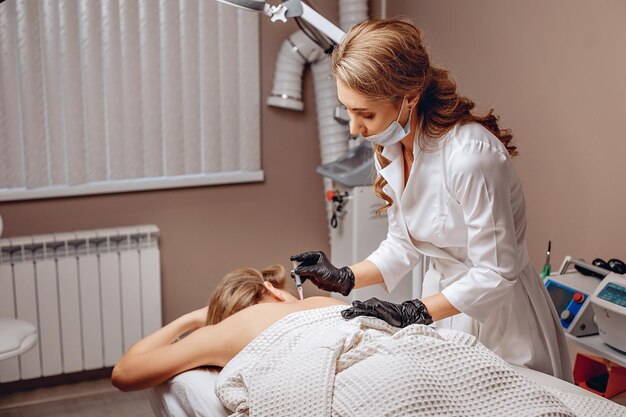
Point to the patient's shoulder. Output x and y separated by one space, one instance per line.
233 333
320 302
251 321
272 311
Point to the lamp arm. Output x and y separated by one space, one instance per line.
297 8
288 9
322 24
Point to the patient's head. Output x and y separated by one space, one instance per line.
245 287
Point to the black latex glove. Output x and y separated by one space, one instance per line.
316 267
398 315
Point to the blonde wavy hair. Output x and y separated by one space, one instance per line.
384 59
242 288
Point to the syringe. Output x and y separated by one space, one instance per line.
298 279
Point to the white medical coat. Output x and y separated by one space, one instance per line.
463 207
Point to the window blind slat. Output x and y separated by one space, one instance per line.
230 113
93 102
211 89
113 88
249 96
73 120
190 82
150 88
54 113
172 91
131 88
32 92
45 84
10 148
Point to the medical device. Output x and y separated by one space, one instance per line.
291 9
298 280
615 265
338 200
570 293
609 306
352 169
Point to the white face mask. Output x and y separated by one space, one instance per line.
394 132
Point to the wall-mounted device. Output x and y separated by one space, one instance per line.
609 306
352 169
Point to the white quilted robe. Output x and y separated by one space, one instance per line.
315 363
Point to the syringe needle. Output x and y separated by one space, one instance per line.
300 292
298 280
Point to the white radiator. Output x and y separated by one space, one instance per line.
91 294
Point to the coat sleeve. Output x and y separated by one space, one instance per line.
396 255
480 178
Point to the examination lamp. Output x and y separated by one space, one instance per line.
291 9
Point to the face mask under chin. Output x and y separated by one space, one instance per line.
394 133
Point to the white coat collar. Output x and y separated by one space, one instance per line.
392 151
393 173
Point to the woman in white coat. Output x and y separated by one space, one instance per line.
451 194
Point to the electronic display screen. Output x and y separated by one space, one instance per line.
614 293
616 290
561 297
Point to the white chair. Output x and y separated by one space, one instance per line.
16 337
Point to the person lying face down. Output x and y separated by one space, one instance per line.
368 355
245 303
245 287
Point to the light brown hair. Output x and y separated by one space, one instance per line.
242 288
384 59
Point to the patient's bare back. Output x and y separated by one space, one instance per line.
241 328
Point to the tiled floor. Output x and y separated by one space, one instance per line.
92 398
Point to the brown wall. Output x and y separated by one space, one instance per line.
208 231
555 71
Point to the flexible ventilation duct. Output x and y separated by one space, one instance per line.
296 52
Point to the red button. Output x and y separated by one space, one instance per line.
578 298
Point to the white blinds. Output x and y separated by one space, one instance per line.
120 95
